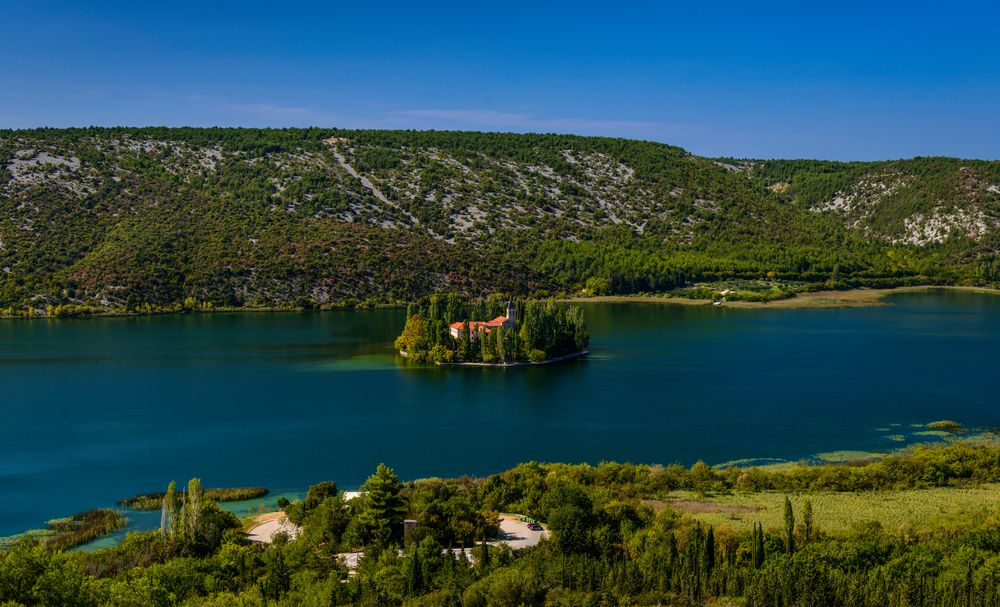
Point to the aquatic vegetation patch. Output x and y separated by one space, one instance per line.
65 533
848 456
154 501
935 433
946 424
752 462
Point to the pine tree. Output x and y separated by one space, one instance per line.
382 516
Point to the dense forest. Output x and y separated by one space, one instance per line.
154 219
617 538
539 331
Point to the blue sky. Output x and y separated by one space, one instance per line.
840 80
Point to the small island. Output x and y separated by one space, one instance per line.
452 330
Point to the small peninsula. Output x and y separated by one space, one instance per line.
450 330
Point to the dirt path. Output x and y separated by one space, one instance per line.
267 525
372 188
514 532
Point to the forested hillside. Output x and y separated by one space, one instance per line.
157 218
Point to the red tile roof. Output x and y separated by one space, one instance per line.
476 325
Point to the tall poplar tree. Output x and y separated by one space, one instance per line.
807 521
195 499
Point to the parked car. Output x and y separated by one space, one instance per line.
534 526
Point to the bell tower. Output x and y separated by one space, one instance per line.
511 315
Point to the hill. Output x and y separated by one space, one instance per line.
154 218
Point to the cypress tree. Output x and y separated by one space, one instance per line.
465 341
789 526
416 583
672 546
758 546
807 521
435 310
709 552
484 555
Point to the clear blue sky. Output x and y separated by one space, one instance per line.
841 80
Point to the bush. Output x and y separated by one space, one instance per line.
597 285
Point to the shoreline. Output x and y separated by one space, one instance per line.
852 298
970 436
558 359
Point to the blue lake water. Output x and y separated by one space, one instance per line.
95 410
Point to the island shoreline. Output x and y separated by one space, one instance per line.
557 359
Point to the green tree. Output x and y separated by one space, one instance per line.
709 552
62 584
598 285
414 578
20 568
789 527
276 580
807 521
382 515
758 546
414 335
195 499
317 493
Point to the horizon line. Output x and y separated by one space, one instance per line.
494 132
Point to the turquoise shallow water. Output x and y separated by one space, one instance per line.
98 409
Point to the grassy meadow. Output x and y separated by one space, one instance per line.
842 513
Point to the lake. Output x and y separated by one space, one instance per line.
99 409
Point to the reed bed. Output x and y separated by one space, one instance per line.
153 501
